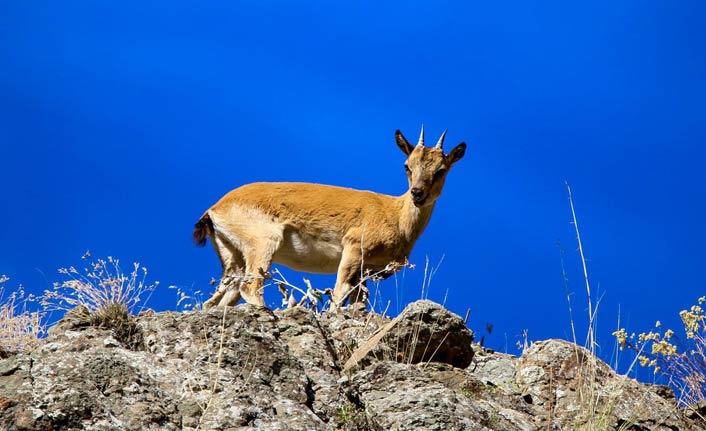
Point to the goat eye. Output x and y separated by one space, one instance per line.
440 173
406 168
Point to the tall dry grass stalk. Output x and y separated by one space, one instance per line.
595 408
591 336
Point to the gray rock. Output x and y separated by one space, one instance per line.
246 367
579 391
424 331
496 369
434 396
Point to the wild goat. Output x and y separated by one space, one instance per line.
322 229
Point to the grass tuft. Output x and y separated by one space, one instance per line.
100 284
116 317
111 296
20 329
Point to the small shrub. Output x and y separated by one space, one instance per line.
110 295
473 389
20 329
350 417
682 360
100 284
124 326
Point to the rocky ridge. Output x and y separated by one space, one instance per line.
246 367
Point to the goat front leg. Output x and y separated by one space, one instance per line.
348 278
253 290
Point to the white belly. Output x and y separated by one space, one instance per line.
302 252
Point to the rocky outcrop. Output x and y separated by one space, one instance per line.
564 380
423 332
245 367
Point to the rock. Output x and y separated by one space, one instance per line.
579 391
434 396
246 367
697 411
424 331
111 342
77 317
8 367
307 341
496 369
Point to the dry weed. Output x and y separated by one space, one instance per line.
111 296
680 359
100 284
596 410
20 329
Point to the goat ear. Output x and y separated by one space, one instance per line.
457 153
402 142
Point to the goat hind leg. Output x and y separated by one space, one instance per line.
257 267
228 292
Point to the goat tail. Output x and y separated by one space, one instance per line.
203 229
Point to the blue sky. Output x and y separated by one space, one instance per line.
120 123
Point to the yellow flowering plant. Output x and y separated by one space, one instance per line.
681 360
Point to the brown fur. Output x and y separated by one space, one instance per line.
321 229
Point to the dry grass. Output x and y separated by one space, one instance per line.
20 329
320 300
680 359
189 299
586 381
111 296
100 284
596 409
317 300
405 353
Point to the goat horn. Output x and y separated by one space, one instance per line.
440 144
421 137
